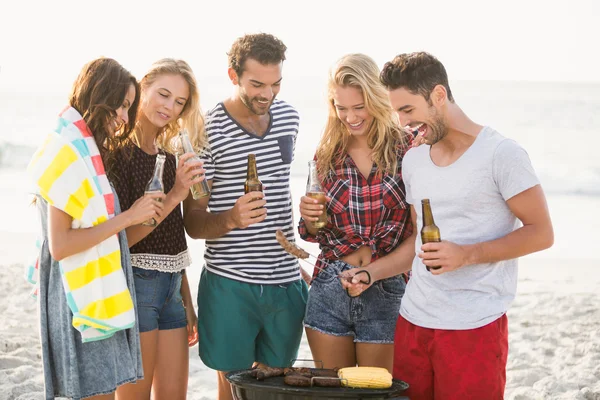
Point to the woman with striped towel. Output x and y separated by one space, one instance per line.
89 331
159 255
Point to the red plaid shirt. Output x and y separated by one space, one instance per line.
362 212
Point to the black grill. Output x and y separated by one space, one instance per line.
246 387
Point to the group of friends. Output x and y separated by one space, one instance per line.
392 138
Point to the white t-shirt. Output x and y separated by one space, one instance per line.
468 202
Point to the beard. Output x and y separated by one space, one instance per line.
250 103
437 128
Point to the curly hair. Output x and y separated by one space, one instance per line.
384 136
262 47
97 93
418 72
191 117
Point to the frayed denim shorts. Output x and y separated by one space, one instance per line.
159 301
370 317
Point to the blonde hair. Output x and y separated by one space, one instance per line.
383 136
191 117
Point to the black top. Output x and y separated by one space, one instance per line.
133 168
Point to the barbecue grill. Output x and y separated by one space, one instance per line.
246 387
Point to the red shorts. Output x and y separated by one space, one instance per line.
452 364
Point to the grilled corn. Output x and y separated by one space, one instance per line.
365 377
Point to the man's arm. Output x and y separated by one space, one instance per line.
536 234
203 224
398 261
395 263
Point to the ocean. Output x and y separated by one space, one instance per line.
557 123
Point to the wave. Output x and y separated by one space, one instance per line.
582 180
557 178
15 156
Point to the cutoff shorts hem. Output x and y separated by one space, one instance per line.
374 341
172 325
326 332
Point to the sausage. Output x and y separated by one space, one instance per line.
297 380
310 372
290 247
328 373
261 372
268 373
299 371
327 382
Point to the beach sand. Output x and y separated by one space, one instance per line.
554 322
554 333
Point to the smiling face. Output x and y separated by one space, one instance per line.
350 108
164 100
122 113
258 85
417 114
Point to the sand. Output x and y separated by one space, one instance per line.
554 328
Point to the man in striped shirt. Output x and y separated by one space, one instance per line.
251 298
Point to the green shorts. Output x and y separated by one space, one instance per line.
240 323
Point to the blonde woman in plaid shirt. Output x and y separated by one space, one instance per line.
358 159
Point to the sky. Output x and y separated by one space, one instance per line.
44 44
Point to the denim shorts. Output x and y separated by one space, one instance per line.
159 301
370 317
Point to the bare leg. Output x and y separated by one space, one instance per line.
224 388
172 365
334 351
375 355
141 389
110 396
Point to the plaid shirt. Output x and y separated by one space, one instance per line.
362 212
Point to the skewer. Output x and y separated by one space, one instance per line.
300 253
304 255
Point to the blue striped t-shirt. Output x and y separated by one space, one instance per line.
252 254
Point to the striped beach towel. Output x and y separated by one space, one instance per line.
32 270
68 173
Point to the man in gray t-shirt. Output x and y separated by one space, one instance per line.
451 337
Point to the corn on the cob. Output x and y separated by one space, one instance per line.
365 377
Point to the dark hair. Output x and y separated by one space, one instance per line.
418 72
262 47
97 93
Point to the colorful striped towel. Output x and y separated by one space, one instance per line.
32 270
68 173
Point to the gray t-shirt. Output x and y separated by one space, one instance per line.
468 202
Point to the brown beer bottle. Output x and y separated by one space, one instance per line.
430 232
315 191
252 184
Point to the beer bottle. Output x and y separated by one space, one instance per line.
198 189
430 232
155 185
315 191
252 184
